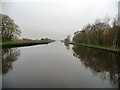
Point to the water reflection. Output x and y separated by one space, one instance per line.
105 64
9 55
67 46
0 60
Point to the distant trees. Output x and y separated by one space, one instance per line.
8 29
67 39
45 39
100 33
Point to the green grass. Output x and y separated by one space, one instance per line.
25 43
98 47
6 43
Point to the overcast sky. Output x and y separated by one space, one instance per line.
56 18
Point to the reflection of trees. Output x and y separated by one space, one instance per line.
100 62
0 60
9 55
67 46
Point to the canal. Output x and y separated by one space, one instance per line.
58 66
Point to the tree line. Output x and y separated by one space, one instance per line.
101 32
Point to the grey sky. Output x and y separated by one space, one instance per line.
57 18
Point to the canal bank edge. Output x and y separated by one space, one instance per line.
97 47
22 44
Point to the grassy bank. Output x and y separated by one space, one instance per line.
21 44
98 47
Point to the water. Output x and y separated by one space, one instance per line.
57 66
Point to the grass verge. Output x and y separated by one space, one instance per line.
98 47
21 44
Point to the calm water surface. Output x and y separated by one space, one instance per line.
57 66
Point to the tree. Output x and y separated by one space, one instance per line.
8 29
67 40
